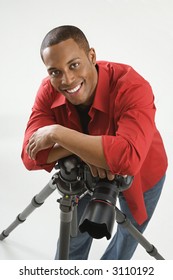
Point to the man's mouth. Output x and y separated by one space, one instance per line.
75 89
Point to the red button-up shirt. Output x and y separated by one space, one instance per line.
123 113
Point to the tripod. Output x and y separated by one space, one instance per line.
73 182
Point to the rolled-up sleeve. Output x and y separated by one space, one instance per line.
41 116
134 115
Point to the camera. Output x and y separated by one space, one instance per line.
99 215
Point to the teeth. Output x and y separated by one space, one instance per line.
74 89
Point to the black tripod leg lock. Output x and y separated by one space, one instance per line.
153 252
3 235
35 203
19 219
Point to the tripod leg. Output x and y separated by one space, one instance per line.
36 202
122 220
74 223
64 235
66 207
68 224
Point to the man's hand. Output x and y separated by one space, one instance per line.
100 172
40 140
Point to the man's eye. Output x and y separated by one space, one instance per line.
74 65
54 73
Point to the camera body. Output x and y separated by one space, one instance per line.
75 178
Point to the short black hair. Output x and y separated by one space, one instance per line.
62 33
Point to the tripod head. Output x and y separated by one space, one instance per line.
74 178
70 179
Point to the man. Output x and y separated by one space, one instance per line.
103 112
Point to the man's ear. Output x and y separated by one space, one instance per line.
92 56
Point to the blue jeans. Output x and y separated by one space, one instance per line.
122 245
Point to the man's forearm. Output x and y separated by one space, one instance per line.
89 148
56 153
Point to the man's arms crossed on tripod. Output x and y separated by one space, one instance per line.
67 141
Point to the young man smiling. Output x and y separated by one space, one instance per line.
103 112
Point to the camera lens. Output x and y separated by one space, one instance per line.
99 216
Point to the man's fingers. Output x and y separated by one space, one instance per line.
110 176
31 149
93 170
101 173
97 172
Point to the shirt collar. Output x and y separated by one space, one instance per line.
59 100
101 100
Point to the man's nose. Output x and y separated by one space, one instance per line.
67 78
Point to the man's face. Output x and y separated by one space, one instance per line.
72 71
